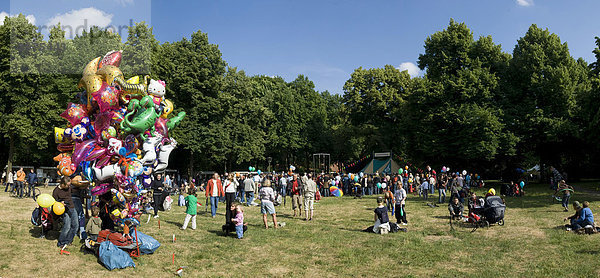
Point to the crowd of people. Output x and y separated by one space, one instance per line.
237 190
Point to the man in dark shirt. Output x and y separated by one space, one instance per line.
62 194
157 196
31 181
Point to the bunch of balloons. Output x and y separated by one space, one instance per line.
118 135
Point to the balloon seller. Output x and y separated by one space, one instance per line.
117 137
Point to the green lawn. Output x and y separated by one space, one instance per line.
532 243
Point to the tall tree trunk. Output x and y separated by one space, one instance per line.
191 167
11 153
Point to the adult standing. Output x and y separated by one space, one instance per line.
77 197
283 187
231 185
310 188
400 211
432 183
62 194
20 182
425 189
31 180
249 188
267 196
296 192
442 185
214 190
9 181
157 186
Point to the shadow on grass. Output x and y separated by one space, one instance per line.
36 232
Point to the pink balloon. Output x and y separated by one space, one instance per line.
74 113
102 122
107 98
81 151
161 127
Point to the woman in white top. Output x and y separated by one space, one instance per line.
230 187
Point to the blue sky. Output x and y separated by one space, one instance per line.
326 40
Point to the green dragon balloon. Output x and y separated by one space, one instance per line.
141 118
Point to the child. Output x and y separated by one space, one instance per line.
46 217
382 225
94 225
238 220
191 204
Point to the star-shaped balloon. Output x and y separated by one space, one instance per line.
74 113
107 98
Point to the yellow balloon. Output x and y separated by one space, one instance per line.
91 82
109 73
116 213
45 200
59 135
134 80
58 208
168 109
91 67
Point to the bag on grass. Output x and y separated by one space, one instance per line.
112 257
36 216
117 239
148 244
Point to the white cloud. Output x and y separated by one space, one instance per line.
75 21
412 69
2 16
525 3
29 17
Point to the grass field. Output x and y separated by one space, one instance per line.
532 243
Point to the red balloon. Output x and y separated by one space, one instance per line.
111 58
74 113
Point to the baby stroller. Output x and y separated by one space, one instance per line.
492 212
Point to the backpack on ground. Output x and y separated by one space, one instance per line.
36 216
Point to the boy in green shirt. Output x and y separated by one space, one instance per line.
191 203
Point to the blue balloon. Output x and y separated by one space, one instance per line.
522 184
355 178
259 172
250 168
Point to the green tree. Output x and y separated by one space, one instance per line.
543 82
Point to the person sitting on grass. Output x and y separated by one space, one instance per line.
456 208
382 221
574 217
586 217
267 196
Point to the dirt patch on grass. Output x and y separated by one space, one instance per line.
438 238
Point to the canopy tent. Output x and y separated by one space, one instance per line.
381 165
